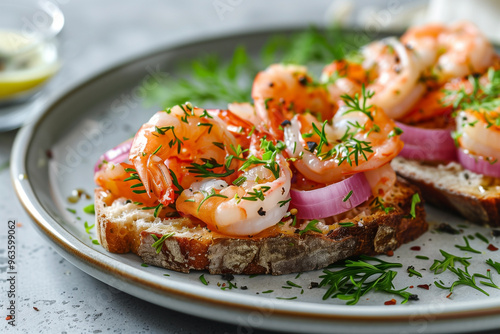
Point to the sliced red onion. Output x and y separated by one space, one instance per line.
428 153
332 199
478 164
115 155
427 144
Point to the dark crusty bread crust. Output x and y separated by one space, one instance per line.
475 197
277 250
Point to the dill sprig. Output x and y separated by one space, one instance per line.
158 244
360 277
212 78
448 262
355 105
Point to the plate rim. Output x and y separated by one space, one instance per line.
79 254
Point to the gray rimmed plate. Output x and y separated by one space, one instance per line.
56 153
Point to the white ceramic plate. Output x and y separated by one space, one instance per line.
56 154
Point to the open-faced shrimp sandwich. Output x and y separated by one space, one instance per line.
302 183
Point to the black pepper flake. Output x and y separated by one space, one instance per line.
244 287
313 285
271 84
466 176
303 80
311 146
296 230
447 228
495 233
227 277
413 297
261 212
285 123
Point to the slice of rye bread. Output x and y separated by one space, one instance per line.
280 249
474 196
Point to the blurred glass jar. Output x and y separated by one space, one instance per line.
28 48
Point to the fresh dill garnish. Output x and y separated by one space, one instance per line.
292 284
415 199
467 247
422 257
209 194
448 262
412 272
349 194
483 97
482 237
311 226
494 264
346 224
357 278
282 203
239 181
207 168
203 280
206 124
90 209
156 209
378 203
158 244
464 278
175 181
210 78
88 227
355 105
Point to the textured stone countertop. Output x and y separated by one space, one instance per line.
98 34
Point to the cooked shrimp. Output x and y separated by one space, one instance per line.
116 179
281 91
258 201
452 51
355 142
391 71
479 132
181 145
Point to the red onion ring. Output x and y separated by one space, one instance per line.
427 144
331 200
478 164
115 155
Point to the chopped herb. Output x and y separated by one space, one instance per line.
378 203
208 195
414 201
203 280
239 181
355 105
175 181
346 198
449 262
166 275
347 224
73 211
298 275
156 151
311 226
292 284
411 270
219 145
359 277
144 265
464 278
89 209
286 298
158 244
395 132
268 291
482 237
88 227
207 168
421 257
206 124
95 242
495 265
282 203
467 247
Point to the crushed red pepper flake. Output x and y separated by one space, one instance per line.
8 317
390 302
411 286
415 248
492 248
423 286
449 295
36 308
390 253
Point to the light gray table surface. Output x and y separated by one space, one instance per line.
97 35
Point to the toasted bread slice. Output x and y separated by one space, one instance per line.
474 196
281 249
